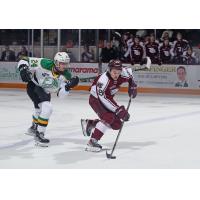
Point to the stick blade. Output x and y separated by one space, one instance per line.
110 156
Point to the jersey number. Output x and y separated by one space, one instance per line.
100 92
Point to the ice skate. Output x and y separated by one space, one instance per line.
40 140
93 146
87 126
32 130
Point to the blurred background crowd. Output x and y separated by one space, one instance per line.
170 46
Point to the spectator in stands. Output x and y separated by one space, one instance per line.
146 39
189 57
87 56
152 51
124 46
165 52
181 74
115 43
167 34
141 33
136 51
70 54
108 53
7 54
179 47
22 53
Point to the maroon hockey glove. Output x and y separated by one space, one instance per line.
122 113
132 90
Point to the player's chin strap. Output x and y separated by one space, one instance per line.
110 156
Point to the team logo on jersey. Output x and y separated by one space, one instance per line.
34 63
45 74
100 85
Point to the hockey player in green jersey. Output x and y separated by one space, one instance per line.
43 77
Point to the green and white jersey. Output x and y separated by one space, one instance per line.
43 75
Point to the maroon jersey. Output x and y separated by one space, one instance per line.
152 52
180 47
189 59
104 88
136 53
165 53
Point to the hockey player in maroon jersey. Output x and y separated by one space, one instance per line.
179 47
136 51
152 50
189 57
101 99
165 52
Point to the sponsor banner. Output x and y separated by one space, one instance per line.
169 76
85 71
165 76
9 72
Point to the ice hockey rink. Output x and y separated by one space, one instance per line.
163 133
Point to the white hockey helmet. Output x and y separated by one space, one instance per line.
61 57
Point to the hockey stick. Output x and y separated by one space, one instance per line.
110 156
146 67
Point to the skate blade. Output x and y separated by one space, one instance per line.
96 150
41 144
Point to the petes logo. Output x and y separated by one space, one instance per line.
100 85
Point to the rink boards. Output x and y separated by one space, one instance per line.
159 79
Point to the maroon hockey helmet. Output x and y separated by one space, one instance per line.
115 64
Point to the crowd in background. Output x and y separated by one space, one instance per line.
10 55
130 47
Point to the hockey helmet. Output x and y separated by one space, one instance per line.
61 58
115 64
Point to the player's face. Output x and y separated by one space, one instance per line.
152 38
181 74
179 36
115 73
62 66
137 41
166 42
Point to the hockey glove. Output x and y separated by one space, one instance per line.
132 90
146 61
122 113
72 83
132 62
25 73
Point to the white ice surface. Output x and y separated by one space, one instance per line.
163 133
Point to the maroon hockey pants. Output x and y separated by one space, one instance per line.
104 114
